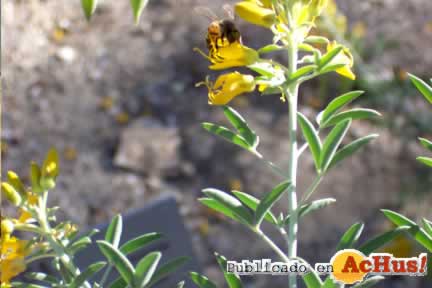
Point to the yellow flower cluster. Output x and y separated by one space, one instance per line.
290 22
13 251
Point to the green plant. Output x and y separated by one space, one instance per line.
61 241
309 56
89 8
422 234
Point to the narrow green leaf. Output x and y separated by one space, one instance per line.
307 48
114 231
332 143
146 268
338 103
426 143
425 160
312 280
201 281
181 284
370 282
416 231
376 243
263 68
312 138
79 245
311 207
137 8
87 274
167 269
231 203
269 200
233 280
118 283
242 127
350 237
331 68
427 226
355 114
227 135
38 276
329 283
317 40
270 48
120 262
302 72
218 207
26 285
139 242
315 205
422 86
252 203
351 148
89 7
329 56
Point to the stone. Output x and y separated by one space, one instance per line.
149 148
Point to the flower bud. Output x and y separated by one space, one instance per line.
35 176
252 12
7 227
15 181
50 170
50 167
11 194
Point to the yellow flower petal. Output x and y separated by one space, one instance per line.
229 86
233 55
12 258
256 13
345 58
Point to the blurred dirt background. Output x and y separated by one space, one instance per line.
119 103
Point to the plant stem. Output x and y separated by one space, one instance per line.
271 165
58 249
312 188
272 245
105 275
292 92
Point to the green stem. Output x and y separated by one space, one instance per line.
105 275
271 165
58 249
272 245
312 188
292 93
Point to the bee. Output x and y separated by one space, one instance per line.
220 33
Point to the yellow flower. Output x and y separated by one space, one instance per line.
32 199
256 12
228 86
306 11
12 258
345 58
232 55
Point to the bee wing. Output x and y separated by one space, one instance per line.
229 11
206 12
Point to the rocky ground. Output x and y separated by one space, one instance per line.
119 103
